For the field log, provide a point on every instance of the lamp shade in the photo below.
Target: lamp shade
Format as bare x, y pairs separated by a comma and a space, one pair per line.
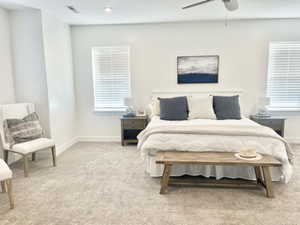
128, 101
264, 101
231, 5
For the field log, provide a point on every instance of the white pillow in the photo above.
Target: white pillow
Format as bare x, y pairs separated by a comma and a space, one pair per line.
155, 107
201, 108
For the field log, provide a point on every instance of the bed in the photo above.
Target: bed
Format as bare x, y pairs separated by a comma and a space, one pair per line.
201, 135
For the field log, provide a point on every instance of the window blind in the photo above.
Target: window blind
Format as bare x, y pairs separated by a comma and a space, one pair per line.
283, 85
111, 77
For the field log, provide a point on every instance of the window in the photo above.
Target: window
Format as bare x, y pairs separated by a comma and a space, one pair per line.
111, 77
283, 85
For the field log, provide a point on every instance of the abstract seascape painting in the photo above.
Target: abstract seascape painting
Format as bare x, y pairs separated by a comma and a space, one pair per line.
197, 69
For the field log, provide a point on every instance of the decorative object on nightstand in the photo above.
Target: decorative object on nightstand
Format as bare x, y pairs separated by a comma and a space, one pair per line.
141, 112
276, 123
131, 127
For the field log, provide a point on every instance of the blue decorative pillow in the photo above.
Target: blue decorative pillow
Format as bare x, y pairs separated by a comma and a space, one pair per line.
173, 108
227, 107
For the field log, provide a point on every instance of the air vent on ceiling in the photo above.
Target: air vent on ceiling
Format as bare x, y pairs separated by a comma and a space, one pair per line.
72, 9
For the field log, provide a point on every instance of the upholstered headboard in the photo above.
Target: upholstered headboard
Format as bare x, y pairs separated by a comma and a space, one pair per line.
171, 93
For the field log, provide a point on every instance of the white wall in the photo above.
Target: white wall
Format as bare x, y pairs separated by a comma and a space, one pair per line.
242, 46
7, 94
28, 60
59, 71
43, 71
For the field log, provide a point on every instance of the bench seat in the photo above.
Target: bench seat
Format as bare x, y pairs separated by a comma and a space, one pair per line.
261, 166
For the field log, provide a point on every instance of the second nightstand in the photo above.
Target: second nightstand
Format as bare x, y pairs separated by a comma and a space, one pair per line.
131, 127
276, 123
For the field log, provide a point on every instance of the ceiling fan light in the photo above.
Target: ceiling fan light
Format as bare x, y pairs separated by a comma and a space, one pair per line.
231, 5
108, 9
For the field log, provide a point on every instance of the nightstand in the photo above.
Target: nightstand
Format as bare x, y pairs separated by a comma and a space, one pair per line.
131, 127
276, 123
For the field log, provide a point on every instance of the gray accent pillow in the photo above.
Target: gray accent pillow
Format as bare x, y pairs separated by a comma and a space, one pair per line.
227, 107
173, 108
23, 130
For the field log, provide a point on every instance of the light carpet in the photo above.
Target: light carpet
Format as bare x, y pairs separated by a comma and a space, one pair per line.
105, 183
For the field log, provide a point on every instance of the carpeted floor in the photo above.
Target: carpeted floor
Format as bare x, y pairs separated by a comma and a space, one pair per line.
104, 183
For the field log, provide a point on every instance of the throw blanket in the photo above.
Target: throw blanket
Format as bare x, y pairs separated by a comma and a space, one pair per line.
159, 138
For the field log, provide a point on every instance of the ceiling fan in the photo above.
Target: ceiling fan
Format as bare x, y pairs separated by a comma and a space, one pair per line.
230, 5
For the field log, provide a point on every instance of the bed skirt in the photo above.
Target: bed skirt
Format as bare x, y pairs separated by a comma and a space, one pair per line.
219, 172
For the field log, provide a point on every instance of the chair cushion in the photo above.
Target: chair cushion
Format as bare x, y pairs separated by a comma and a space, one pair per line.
5, 172
33, 146
23, 130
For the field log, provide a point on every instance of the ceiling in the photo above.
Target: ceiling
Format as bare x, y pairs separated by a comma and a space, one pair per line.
153, 11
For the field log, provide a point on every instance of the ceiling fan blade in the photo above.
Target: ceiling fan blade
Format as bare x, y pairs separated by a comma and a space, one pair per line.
196, 4
231, 5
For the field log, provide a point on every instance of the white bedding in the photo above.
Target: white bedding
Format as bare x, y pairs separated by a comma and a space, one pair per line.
252, 134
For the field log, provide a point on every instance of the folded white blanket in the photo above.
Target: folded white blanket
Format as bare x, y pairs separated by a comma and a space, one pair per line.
207, 135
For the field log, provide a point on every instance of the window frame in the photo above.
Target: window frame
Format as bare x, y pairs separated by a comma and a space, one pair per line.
280, 110
110, 109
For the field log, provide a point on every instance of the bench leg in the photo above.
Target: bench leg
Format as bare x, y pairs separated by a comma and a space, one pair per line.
268, 181
3, 186
33, 156
53, 149
165, 178
9, 192
25, 162
259, 175
5, 152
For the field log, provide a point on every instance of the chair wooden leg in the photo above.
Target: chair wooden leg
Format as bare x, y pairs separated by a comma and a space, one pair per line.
9, 192
5, 152
53, 149
3, 186
25, 165
33, 156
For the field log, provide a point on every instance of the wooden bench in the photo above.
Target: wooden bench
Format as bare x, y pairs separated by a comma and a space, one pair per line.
262, 168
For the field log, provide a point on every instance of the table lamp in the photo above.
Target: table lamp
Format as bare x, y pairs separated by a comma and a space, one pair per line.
129, 102
262, 107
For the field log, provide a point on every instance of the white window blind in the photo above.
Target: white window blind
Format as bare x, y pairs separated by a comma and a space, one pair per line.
111, 77
283, 85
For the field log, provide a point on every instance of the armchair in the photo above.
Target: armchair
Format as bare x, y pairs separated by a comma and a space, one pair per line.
18, 111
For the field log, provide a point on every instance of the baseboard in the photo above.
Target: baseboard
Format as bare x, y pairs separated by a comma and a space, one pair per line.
295, 141
99, 139
60, 149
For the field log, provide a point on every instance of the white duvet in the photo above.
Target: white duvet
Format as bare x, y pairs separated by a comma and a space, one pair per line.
215, 135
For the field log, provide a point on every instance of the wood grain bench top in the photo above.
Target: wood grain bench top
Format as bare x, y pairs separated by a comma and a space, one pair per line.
212, 158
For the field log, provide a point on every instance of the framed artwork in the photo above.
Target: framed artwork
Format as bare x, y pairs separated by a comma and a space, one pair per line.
197, 69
